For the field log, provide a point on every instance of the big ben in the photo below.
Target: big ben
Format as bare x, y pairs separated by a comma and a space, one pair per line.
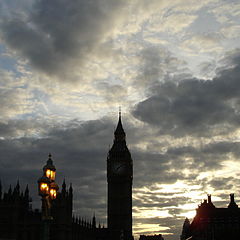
119, 177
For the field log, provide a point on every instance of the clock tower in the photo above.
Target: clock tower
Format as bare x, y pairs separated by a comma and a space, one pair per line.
119, 177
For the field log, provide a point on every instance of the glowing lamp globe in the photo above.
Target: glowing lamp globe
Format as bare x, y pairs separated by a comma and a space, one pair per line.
49, 169
53, 190
43, 186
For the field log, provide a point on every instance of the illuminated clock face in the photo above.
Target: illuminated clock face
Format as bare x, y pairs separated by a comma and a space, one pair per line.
119, 168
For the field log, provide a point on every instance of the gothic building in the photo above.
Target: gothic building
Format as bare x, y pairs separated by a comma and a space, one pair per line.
212, 223
18, 221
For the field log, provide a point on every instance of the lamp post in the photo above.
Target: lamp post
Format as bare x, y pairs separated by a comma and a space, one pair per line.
47, 189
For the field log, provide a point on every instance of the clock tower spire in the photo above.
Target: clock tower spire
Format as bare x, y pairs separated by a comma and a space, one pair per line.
119, 134
119, 177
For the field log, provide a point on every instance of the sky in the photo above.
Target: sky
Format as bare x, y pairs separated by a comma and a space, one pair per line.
173, 66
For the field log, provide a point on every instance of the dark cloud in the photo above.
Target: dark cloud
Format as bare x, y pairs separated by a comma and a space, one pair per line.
222, 183
194, 106
54, 33
19, 128
156, 201
164, 168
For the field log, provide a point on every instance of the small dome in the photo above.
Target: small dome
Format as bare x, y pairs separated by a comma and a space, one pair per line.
49, 164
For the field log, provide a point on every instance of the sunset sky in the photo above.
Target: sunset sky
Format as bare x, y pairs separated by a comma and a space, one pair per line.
174, 68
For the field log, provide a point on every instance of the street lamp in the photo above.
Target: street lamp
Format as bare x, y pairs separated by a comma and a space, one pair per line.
47, 189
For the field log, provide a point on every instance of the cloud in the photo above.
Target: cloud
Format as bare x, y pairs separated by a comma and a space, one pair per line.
113, 93
13, 102
202, 43
207, 69
231, 31
156, 64
173, 23
227, 11
14, 97
194, 106
55, 34
222, 183
23, 128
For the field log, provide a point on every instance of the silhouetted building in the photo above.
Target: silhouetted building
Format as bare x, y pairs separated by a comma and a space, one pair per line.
119, 177
18, 221
151, 237
211, 223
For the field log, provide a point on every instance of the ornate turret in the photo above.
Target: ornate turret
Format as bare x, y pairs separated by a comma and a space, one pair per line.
119, 133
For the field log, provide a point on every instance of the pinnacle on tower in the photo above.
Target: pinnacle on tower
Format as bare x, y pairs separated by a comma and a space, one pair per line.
64, 186
119, 132
16, 190
26, 193
70, 191
17, 187
94, 221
